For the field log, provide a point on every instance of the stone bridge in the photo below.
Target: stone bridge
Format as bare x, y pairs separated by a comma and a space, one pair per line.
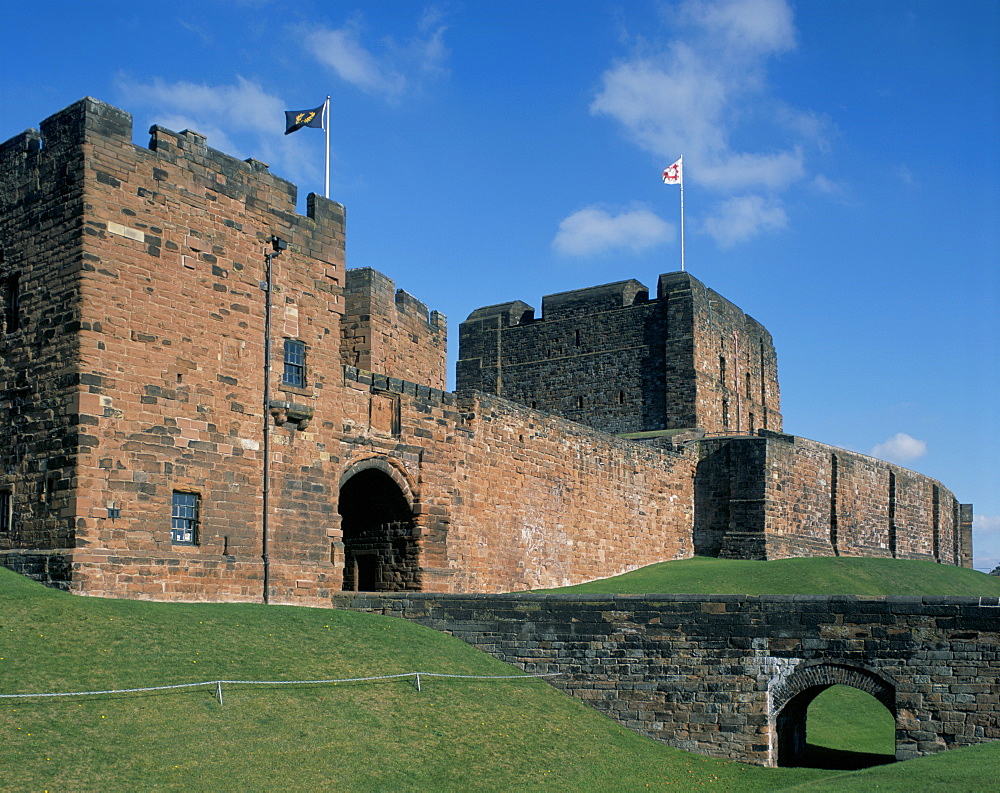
732, 675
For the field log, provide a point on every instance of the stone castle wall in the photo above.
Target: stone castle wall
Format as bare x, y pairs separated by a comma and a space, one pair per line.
613, 359
41, 258
777, 496
136, 373
388, 330
541, 501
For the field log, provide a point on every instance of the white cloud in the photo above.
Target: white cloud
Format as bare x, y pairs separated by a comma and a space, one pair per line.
743, 26
594, 230
905, 175
395, 69
900, 448
739, 219
986, 524
706, 85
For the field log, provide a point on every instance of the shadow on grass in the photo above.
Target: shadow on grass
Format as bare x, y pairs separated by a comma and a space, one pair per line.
842, 759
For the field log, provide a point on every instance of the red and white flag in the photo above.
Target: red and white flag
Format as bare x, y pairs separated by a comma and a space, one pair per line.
674, 174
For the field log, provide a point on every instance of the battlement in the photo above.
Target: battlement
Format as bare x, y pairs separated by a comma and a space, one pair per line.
515, 312
388, 330
593, 299
610, 357
91, 121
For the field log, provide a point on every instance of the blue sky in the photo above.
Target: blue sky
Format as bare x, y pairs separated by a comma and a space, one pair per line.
842, 182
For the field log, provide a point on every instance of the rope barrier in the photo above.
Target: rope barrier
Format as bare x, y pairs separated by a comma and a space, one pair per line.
218, 683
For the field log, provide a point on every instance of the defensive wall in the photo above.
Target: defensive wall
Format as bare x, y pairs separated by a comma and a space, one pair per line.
140, 287
775, 496
615, 359
731, 675
136, 372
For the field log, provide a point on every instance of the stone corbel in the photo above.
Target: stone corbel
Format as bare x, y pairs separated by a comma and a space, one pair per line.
290, 412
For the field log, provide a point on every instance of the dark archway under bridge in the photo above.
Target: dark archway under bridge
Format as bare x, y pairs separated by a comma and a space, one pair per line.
731, 675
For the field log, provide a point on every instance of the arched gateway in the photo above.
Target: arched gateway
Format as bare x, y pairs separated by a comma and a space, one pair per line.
380, 552
791, 697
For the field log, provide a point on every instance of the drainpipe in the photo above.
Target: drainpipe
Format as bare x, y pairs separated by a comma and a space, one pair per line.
277, 246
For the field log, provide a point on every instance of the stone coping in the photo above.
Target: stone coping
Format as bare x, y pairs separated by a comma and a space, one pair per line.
986, 601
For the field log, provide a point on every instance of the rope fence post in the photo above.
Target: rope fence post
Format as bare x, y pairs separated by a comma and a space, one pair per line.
218, 690
417, 675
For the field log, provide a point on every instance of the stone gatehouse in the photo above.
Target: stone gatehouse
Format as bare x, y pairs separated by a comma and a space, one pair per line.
199, 401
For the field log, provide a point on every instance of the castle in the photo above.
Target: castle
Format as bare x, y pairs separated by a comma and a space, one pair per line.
198, 401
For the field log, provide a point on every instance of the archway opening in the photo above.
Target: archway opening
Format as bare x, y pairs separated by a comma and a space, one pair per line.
835, 726
377, 523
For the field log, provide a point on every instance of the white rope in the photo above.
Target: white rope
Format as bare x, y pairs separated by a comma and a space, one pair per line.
218, 683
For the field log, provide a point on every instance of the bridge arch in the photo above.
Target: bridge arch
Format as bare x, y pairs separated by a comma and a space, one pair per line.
791, 697
377, 508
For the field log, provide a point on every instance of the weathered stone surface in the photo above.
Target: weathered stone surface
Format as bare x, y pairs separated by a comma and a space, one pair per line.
132, 367
673, 667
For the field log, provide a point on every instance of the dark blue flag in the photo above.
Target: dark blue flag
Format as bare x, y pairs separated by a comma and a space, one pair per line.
297, 119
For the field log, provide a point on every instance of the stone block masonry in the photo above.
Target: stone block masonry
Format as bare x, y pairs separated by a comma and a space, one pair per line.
732, 676
775, 496
613, 359
142, 456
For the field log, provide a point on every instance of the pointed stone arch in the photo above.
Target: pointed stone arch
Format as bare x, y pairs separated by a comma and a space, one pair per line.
790, 699
377, 509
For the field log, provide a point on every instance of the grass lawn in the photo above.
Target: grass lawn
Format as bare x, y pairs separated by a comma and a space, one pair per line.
832, 575
452, 735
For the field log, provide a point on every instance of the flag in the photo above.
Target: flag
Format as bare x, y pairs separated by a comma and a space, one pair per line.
297, 119
674, 174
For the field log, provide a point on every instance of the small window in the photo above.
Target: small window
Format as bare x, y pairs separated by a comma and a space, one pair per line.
6, 511
295, 364
579, 402
11, 303
184, 514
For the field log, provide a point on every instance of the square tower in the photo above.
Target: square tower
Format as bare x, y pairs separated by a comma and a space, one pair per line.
614, 359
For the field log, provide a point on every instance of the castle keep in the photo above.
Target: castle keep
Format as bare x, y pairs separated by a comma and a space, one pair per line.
198, 401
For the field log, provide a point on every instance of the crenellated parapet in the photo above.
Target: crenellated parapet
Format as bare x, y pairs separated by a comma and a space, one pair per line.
388, 330
615, 359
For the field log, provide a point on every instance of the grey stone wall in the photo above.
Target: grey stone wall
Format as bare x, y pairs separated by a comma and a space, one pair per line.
612, 358
732, 675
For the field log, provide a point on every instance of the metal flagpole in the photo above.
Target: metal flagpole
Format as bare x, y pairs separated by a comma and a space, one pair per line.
326, 126
674, 174
681, 161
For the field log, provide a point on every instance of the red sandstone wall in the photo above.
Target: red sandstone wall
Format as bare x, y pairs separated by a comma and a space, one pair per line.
387, 330
870, 508
172, 346
542, 502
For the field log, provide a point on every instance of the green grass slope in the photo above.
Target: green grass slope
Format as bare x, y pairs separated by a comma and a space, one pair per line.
832, 575
455, 734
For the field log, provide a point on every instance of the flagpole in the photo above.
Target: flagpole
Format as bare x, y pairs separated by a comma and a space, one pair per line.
326, 172
682, 212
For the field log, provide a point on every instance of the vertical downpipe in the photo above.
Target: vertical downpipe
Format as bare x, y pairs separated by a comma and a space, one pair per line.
267, 425
277, 245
